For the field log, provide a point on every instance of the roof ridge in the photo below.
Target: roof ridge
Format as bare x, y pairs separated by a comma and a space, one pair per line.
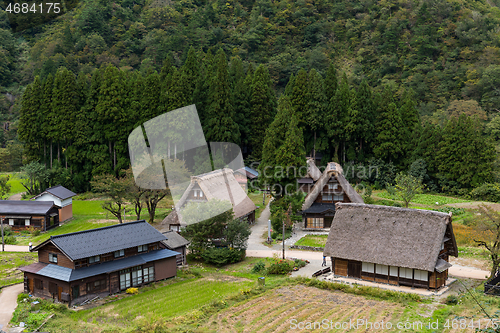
96, 229
401, 209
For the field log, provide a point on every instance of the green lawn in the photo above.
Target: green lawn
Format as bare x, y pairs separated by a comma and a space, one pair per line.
312, 240
9, 261
424, 199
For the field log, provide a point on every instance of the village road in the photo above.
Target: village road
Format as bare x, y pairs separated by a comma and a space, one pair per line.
14, 248
8, 303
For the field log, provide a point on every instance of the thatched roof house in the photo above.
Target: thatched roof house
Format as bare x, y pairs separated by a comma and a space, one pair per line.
222, 185
332, 187
391, 244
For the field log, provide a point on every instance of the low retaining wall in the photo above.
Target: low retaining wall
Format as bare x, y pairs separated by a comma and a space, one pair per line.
308, 248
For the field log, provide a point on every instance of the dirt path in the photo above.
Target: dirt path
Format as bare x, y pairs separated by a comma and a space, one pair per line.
17, 196
475, 205
8, 303
15, 248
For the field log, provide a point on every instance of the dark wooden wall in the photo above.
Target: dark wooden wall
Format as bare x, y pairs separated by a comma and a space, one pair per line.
62, 260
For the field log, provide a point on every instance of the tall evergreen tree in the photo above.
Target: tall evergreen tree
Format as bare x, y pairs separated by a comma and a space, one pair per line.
337, 112
191, 72
362, 121
30, 123
221, 124
45, 111
331, 82
263, 104
465, 157
300, 98
411, 120
315, 112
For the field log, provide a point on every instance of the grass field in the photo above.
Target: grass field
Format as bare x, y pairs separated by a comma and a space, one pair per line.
424, 199
9, 261
312, 240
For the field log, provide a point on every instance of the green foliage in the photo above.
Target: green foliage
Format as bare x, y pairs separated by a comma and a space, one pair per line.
487, 192
222, 256
259, 267
280, 266
279, 210
33, 176
407, 187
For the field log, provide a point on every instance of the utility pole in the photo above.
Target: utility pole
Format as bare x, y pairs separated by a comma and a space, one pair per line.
287, 220
3, 244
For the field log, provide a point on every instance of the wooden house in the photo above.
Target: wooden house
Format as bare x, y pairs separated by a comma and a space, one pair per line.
399, 246
41, 215
331, 187
177, 243
79, 266
222, 185
62, 197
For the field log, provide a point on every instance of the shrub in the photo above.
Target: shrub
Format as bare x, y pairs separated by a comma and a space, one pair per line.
259, 267
280, 267
11, 240
299, 263
452, 300
7, 230
133, 291
487, 192
222, 256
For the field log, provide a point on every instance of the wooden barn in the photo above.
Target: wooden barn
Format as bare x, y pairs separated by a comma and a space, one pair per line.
62, 197
222, 185
41, 215
331, 187
400, 246
79, 266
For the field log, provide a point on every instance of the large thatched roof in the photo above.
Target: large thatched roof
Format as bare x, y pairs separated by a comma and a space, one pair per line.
332, 170
221, 185
402, 237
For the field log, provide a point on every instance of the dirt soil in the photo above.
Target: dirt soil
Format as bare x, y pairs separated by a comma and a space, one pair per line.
470, 262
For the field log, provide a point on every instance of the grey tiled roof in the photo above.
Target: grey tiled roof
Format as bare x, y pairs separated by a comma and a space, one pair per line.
174, 240
67, 274
84, 244
59, 191
25, 207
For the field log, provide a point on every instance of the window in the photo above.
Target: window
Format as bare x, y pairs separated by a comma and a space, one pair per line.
421, 275
338, 197
367, 267
53, 258
142, 248
94, 259
406, 273
201, 194
382, 269
38, 284
26, 221
195, 193
137, 276
149, 274
333, 186
124, 280
314, 222
326, 197
393, 271
11, 221
119, 253
96, 285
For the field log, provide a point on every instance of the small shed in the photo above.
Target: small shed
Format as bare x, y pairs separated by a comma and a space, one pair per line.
62, 197
42, 215
177, 243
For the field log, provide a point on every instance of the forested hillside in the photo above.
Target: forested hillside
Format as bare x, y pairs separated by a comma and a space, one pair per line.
375, 83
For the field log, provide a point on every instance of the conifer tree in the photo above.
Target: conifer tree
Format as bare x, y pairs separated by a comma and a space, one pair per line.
465, 157
338, 110
30, 122
361, 121
45, 111
263, 104
299, 98
331, 82
387, 144
221, 124
191, 72
149, 98
240, 88
411, 120
315, 112
289, 86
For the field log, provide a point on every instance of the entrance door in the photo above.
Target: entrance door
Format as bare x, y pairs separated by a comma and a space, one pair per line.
354, 269
31, 286
59, 291
124, 281
75, 291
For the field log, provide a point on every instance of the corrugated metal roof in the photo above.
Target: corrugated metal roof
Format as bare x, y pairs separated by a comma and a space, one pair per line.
56, 272
84, 244
25, 207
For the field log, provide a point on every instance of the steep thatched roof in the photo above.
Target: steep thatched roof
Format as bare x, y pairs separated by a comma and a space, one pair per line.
312, 170
170, 219
402, 237
332, 170
221, 185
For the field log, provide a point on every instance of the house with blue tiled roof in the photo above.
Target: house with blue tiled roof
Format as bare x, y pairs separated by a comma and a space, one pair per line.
79, 266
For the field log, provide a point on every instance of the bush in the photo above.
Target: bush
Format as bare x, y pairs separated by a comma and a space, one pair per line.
133, 291
487, 192
259, 267
278, 235
10, 240
7, 230
222, 256
280, 266
452, 300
